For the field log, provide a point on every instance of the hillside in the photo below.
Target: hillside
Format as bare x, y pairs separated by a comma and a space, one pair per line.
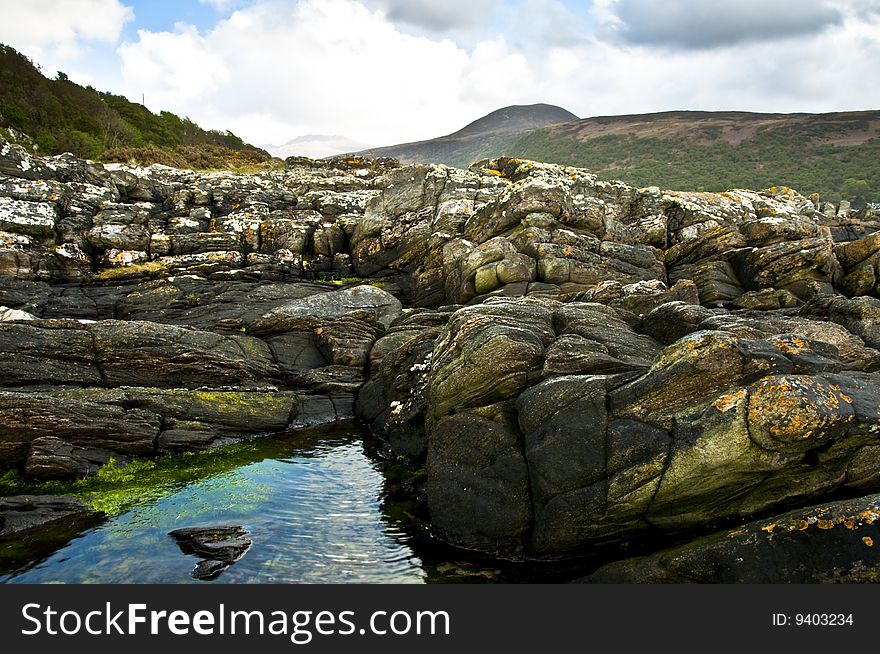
834, 154
479, 139
61, 116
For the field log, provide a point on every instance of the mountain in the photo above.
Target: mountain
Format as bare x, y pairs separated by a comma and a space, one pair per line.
52, 116
479, 139
516, 118
315, 146
834, 154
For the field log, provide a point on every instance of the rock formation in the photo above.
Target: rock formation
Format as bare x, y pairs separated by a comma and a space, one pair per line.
576, 362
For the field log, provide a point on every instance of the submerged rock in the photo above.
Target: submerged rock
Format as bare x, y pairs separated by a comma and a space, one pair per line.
219, 547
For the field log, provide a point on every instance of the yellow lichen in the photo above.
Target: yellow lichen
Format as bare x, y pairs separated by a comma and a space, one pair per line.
727, 402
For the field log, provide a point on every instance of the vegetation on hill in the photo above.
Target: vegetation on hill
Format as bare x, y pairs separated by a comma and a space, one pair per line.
772, 157
835, 155
61, 116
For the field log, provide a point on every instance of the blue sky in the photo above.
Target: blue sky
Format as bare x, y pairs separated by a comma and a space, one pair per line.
161, 15
385, 71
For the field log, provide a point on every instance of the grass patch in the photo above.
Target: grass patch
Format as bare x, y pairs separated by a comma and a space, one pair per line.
149, 268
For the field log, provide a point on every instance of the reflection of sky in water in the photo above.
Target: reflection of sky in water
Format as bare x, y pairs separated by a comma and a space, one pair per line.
312, 519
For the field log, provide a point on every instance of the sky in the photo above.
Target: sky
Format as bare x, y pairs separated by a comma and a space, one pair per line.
390, 71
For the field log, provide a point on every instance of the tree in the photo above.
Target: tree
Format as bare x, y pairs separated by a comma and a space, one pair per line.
857, 191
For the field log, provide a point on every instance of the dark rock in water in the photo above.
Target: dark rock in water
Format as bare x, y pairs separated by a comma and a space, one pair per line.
478, 484
23, 515
835, 542
226, 543
208, 569
220, 547
719, 426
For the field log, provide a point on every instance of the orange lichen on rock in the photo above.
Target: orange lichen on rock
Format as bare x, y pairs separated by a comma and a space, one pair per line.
727, 402
793, 408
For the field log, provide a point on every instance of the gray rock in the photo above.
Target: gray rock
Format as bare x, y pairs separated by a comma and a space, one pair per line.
135, 422
25, 515
315, 310
671, 321
827, 543
123, 353
861, 316
52, 458
477, 485
488, 353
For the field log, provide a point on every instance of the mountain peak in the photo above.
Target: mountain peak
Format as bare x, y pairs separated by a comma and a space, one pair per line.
517, 118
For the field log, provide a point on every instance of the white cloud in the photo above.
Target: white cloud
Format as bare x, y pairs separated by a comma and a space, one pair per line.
277, 70
280, 69
824, 73
54, 34
437, 16
697, 24
181, 67
540, 24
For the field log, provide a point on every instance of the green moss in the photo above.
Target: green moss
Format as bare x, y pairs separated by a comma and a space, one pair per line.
345, 281
151, 267
237, 403
115, 488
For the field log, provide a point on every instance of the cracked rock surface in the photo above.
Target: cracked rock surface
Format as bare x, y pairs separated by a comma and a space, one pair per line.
573, 363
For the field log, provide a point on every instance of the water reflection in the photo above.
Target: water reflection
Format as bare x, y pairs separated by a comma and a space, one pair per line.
314, 511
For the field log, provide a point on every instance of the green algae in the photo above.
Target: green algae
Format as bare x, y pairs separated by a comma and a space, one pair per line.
115, 487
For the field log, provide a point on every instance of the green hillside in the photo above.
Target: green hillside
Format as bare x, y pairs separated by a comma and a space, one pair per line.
832, 154
836, 155
61, 116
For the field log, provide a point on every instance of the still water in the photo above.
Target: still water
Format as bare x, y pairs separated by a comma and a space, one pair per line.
314, 511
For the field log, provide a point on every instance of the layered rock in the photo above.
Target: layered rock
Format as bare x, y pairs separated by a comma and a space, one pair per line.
579, 362
828, 543
608, 437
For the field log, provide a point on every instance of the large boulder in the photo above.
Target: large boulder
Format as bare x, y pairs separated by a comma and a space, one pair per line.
619, 438
478, 490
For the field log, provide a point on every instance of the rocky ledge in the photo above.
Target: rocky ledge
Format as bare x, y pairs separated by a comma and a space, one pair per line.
574, 363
